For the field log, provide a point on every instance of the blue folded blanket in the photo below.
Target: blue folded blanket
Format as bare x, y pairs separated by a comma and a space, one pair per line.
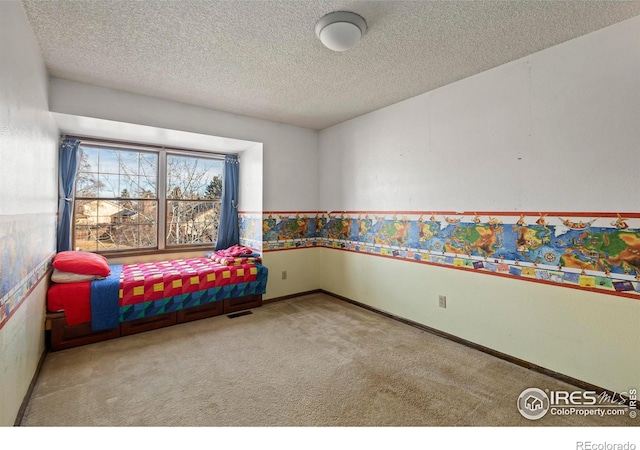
105, 305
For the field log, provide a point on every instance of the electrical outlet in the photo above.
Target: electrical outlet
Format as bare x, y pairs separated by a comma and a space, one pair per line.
442, 301
284, 274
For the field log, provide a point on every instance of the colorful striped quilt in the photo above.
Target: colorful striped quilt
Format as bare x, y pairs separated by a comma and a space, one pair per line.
148, 289
143, 282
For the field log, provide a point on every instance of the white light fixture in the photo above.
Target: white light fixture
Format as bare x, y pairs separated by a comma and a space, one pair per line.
340, 30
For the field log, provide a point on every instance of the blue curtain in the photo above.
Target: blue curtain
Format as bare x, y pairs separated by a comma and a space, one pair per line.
68, 160
228, 233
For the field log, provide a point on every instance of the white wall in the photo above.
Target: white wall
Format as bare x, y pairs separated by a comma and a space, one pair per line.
290, 153
251, 179
28, 201
555, 131
303, 267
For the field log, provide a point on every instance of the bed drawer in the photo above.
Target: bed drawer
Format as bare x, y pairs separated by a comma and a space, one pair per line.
63, 336
147, 324
200, 312
240, 303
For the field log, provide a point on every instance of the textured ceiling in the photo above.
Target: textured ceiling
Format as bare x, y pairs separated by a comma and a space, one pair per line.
262, 58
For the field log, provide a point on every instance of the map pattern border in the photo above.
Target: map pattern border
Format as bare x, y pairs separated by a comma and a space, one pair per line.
594, 251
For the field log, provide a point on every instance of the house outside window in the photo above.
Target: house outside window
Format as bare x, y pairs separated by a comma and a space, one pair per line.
131, 198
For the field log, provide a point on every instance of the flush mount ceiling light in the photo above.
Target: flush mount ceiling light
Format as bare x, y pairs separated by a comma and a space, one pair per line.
340, 30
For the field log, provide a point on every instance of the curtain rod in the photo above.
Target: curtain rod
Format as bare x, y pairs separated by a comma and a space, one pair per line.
142, 146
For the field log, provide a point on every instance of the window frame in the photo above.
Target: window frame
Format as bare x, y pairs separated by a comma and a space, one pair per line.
161, 199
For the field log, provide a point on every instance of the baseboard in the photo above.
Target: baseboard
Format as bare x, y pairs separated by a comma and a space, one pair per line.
299, 294
520, 362
25, 400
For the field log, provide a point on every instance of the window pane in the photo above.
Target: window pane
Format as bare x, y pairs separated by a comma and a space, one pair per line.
146, 221
190, 222
87, 179
109, 186
86, 212
108, 161
128, 186
105, 237
148, 165
128, 162
84, 240
193, 178
147, 212
115, 225
148, 234
86, 185
89, 159
147, 187
124, 236
115, 219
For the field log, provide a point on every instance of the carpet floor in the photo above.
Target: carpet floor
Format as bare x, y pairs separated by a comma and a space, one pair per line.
311, 361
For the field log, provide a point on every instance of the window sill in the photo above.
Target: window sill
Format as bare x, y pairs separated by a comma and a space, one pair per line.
156, 252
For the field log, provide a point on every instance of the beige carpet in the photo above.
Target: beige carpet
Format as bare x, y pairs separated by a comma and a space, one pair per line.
309, 361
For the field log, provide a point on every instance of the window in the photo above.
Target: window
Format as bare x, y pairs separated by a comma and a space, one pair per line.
123, 191
194, 189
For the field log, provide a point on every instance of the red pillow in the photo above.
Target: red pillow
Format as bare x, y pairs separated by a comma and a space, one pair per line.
84, 263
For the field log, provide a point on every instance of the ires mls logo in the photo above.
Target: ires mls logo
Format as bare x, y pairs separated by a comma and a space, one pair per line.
575, 398
533, 403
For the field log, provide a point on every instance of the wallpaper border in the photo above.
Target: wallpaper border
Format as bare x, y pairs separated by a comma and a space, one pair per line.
543, 232
11, 302
27, 248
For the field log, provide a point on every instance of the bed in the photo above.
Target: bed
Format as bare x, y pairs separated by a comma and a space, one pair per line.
109, 301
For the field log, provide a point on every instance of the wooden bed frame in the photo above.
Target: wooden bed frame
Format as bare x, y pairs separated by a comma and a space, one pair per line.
61, 336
